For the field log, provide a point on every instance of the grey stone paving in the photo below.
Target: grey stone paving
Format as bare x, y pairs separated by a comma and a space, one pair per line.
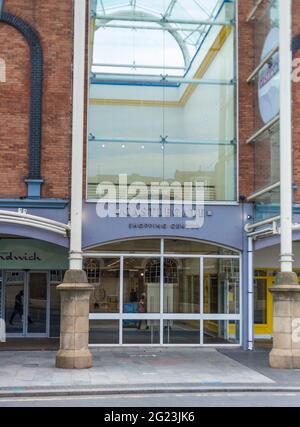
129, 367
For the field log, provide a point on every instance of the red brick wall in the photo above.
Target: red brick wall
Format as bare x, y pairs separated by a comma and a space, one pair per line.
53, 20
247, 101
246, 96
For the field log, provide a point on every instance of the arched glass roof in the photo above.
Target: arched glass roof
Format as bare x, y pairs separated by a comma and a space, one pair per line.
156, 35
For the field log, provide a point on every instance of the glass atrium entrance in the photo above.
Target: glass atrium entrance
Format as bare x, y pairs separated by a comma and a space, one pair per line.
164, 292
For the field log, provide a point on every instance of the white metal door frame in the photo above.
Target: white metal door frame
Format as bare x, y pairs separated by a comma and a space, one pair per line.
25, 333
202, 317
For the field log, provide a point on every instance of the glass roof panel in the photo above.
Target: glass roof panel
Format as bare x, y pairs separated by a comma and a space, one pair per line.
180, 19
196, 9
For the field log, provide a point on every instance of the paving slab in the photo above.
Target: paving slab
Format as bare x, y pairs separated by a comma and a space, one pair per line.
133, 367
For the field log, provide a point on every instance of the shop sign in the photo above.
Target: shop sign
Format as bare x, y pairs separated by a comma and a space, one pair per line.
268, 80
32, 254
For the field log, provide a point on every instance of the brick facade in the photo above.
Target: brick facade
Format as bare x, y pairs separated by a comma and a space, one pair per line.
248, 119
54, 23
246, 97
53, 20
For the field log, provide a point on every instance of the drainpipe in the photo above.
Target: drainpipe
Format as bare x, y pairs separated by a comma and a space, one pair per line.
250, 296
78, 132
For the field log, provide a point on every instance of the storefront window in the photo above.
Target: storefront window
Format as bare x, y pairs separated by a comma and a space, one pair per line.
1, 295
156, 298
221, 286
260, 301
130, 246
141, 285
104, 332
141, 332
177, 246
14, 302
182, 286
56, 278
221, 332
104, 275
182, 332
162, 98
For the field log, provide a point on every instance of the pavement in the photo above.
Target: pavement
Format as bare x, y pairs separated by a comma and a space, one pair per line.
138, 370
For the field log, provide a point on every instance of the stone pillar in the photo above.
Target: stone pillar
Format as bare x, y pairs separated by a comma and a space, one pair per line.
75, 294
286, 322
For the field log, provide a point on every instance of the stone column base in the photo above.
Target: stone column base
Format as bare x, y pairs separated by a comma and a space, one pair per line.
286, 322
74, 336
74, 359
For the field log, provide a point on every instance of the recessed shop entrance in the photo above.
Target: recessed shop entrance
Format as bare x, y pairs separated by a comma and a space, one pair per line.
26, 296
164, 292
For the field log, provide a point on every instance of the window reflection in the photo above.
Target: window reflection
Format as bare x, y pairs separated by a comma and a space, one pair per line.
141, 285
221, 286
162, 101
182, 286
104, 275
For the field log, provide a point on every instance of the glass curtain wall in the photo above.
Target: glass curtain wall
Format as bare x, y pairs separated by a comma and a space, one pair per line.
162, 94
167, 297
266, 103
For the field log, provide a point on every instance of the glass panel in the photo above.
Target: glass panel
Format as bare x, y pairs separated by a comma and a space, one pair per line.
14, 302
181, 332
182, 286
268, 205
104, 275
141, 332
111, 56
260, 301
104, 332
56, 278
141, 285
210, 163
221, 286
131, 246
177, 246
266, 33
37, 303
188, 118
54, 311
1, 295
266, 158
191, 38
221, 332
147, 115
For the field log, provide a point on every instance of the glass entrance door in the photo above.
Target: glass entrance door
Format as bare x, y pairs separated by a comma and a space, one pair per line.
26, 303
37, 303
176, 293
14, 302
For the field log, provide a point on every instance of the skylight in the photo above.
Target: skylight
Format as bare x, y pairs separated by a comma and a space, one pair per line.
158, 36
